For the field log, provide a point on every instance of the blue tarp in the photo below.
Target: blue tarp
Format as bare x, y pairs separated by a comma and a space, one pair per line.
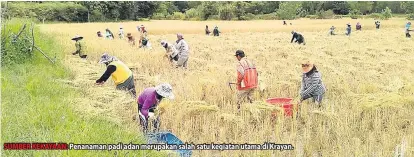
168, 138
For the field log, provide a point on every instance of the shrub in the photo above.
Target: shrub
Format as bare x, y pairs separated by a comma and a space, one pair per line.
178, 16
158, 16
355, 14
410, 16
192, 14
329, 14
214, 17
169, 17
250, 16
271, 16
387, 13
376, 16
288, 10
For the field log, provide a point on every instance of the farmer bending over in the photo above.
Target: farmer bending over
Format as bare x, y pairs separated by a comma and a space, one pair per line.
108, 34
131, 39
348, 29
377, 24
298, 38
358, 26
143, 35
80, 47
246, 78
120, 73
207, 31
216, 32
148, 101
171, 52
331, 30
312, 86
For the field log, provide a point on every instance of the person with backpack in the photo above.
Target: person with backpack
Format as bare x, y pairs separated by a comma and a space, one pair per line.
247, 79
311, 86
298, 38
216, 32
171, 52
407, 30
143, 36
80, 47
120, 73
149, 100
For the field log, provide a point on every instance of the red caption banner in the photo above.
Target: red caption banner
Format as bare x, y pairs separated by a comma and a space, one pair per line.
35, 146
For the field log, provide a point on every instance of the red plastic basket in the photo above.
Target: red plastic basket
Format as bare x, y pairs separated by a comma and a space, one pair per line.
285, 103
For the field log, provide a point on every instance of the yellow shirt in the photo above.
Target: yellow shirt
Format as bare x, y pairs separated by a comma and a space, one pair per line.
122, 72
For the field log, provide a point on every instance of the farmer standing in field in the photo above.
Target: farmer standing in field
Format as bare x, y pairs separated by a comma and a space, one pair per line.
358, 26
331, 30
80, 47
171, 52
348, 29
312, 86
143, 36
121, 33
183, 51
247, 78
377, 24
207, 30
148, 101
407, 30
216, 32
131, 39
119, 72
298, 38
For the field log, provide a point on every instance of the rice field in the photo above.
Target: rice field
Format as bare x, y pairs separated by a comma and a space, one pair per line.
367, 110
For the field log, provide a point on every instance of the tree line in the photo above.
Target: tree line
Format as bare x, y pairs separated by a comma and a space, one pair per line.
95, 11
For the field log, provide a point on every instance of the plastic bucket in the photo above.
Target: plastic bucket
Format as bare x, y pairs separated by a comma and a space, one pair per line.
285, 103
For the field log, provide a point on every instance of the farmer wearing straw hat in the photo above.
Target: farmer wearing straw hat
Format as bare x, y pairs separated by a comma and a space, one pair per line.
131, 39
183, 51
119, 72
80, 47
171, 52
298, 38
348, 29
99, 34
407, 30
312, 86
148, 101
247, 78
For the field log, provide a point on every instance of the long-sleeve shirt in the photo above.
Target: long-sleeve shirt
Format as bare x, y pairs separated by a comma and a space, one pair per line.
171, 50
109, 70
148, 100
312, 85
182, 48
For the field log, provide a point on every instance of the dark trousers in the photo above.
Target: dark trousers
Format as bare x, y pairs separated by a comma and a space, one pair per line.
128, 85
408, 35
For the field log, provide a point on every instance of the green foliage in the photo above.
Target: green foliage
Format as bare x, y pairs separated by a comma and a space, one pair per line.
158, 16
272, 16
355, 14
410, 16
362, 6
178, 16
16, 51
387, 13
376, 16
214, 17
288, 10
227, 12
193, 13
325, 14
408, 7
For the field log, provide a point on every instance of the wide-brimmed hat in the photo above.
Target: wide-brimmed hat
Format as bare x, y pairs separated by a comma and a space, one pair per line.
239, 52
129, 35
141, 26
293, 32
307, 66
77, 37
165, 90
106, 58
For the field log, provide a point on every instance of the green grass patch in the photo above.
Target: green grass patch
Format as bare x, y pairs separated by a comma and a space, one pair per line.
35, 108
